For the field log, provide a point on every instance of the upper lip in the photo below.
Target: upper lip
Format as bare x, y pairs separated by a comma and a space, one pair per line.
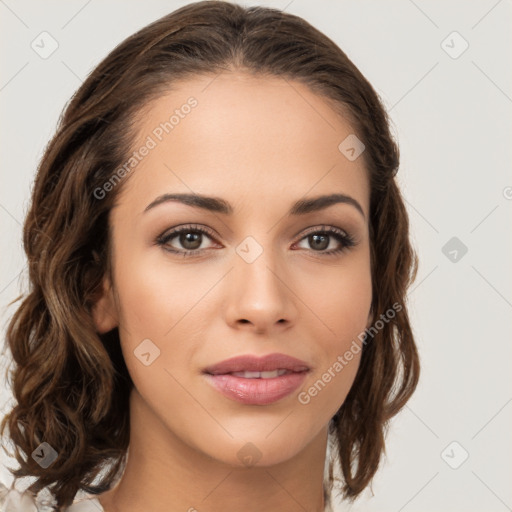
252, 363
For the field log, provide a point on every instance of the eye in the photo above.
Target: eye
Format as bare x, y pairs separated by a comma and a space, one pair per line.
190, 237
322, 238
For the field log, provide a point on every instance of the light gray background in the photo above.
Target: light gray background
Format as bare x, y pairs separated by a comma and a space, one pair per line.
453, 119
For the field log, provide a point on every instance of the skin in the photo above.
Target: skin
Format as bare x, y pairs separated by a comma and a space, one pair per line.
261, 144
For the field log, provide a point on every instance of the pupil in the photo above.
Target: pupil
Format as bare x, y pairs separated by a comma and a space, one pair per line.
189, 240
323, 243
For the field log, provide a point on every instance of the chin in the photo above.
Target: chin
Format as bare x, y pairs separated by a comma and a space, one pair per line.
257, 450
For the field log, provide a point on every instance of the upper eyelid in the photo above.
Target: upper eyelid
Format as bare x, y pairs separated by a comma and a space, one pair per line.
323, 227
186, 227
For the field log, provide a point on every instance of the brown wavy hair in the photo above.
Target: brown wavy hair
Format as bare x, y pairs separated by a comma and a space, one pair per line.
70, 383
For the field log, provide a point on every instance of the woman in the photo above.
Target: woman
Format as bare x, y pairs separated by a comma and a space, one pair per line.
219, 256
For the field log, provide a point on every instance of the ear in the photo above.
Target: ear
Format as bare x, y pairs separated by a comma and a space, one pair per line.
104, 310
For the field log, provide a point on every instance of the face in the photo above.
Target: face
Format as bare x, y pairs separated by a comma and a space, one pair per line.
251, 273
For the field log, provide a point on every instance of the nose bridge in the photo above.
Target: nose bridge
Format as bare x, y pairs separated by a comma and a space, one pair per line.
260, 295
255, 265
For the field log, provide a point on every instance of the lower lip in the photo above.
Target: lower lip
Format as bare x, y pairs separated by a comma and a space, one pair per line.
256, 391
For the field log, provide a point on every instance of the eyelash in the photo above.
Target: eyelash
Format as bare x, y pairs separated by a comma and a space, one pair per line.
346, 240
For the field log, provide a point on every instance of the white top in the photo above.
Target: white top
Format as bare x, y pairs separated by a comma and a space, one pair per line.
92, 504
87, 504
11, 500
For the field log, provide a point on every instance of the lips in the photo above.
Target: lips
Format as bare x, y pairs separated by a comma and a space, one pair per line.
255, 380
248, 363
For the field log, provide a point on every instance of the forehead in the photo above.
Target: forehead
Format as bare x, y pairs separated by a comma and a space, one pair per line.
254, 136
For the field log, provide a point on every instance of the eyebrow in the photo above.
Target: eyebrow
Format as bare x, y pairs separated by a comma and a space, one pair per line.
218, 205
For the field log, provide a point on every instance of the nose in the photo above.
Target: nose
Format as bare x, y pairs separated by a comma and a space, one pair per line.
260, 296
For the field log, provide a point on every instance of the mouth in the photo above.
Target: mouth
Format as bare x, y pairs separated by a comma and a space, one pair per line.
261, 375
250, 364
255, 380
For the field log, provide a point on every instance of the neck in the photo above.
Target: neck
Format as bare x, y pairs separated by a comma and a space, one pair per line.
164, 474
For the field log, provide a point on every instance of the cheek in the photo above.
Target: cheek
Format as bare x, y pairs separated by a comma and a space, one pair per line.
161, 311
154, 298
340, 305
342, 311
156, 311
345, 313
